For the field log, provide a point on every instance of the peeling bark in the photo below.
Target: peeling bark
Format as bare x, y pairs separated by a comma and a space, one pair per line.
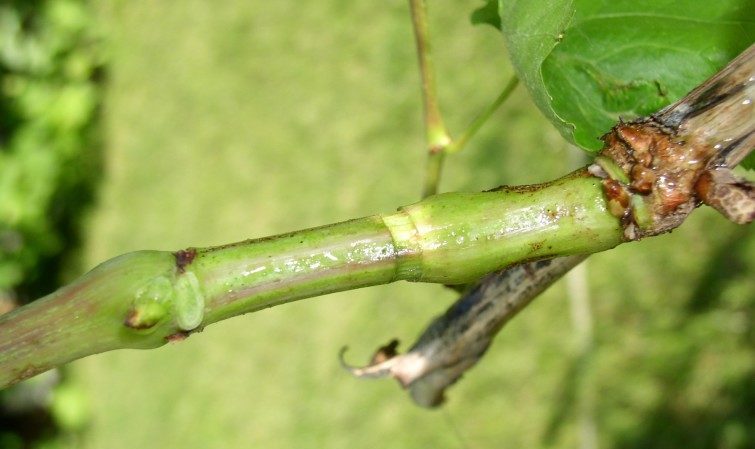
656, 170
456, 340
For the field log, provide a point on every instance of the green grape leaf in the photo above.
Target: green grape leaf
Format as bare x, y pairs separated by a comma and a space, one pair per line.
588, 63
487, 14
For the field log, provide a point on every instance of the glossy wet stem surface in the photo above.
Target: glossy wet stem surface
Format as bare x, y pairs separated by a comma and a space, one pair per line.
144, 299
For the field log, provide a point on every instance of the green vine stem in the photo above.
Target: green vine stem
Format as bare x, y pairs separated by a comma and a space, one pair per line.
146, 298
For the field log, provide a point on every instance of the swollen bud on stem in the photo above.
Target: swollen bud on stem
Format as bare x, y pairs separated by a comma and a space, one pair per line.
151, 304
175, 294
122, 303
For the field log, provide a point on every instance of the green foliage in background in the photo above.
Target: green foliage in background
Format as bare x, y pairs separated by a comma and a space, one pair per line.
49, 59
50, 65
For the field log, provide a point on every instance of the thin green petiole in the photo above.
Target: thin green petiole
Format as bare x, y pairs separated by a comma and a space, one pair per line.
458, 144
439, 141
436, 156
436, 134
435, 130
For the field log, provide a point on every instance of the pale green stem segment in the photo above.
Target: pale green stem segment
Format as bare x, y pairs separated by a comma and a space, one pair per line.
143, 299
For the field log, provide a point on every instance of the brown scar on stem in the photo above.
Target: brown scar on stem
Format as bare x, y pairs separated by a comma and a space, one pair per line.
679, 157
29, 371
182, 335
134, 320
671, 175
177, 336
618, 197
531, 188
455, 341
184, 258
643, 179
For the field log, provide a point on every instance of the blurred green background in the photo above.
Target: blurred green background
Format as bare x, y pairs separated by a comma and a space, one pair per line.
212, 122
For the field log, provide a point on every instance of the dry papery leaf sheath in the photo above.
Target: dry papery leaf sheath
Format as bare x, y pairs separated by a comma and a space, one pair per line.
656, 170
